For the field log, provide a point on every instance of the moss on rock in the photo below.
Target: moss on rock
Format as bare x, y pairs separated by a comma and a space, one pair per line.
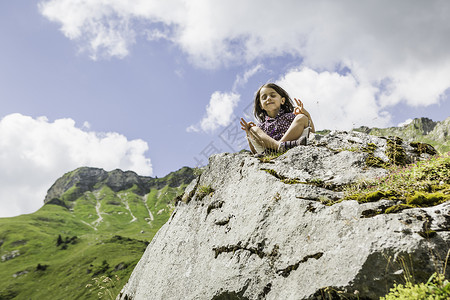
427, 199
423, 184
423, 148
375, 162
395, 152
372, 196
397, 208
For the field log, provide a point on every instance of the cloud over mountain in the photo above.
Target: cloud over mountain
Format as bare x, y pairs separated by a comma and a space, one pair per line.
35, 152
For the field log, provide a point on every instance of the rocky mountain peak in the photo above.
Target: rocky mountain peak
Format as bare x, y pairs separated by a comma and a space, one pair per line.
83, 179
424, 125
420, 129
119, 180
86, 179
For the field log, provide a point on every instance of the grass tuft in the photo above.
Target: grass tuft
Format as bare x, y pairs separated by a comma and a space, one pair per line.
204, 191
424, 183
271, 156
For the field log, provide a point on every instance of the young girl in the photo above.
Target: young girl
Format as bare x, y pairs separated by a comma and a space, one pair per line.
281, 126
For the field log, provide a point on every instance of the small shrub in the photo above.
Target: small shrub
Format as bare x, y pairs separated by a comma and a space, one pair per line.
102, 269
395, 152
436, 288
204, 191
423, 148
40, 267
65, 242
104, 286
59, 241
198, 171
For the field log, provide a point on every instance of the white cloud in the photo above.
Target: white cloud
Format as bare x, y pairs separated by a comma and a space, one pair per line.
241, 80
35, 152
334, 101
403, 43
219, 112
156, 34
220, 109
193, 128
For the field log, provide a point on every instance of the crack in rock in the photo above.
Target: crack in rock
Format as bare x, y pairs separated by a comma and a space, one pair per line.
187, 197
253, 250
426, 231
287, 271
214, 205
232, 295
370, 213
265, 291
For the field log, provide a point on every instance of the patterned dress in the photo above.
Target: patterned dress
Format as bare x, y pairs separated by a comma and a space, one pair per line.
277, 127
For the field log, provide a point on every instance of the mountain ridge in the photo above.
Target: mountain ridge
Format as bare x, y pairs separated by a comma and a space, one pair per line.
85, 179
435, 133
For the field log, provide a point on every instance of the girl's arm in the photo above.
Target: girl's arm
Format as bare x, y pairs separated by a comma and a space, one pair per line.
301, 110
306, 113
246, 126
251, 147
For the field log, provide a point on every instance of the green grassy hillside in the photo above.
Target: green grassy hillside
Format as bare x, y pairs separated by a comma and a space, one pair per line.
59, 251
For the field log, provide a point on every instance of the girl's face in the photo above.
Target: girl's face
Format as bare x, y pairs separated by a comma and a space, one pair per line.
270, 101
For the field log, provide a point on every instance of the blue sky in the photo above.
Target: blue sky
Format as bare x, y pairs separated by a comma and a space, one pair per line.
152, 86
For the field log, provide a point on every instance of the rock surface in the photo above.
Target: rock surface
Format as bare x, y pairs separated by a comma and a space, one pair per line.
248, 229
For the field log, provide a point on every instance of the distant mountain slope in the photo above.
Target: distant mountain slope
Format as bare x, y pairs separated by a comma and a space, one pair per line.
94, 223
421, 129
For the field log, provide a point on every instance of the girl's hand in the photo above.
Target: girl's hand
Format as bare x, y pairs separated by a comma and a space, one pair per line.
246, 126
299, 109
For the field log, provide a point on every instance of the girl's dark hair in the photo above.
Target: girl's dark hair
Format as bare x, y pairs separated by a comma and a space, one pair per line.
261, 114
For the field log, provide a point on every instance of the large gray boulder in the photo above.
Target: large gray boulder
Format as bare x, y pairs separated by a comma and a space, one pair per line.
248, 229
